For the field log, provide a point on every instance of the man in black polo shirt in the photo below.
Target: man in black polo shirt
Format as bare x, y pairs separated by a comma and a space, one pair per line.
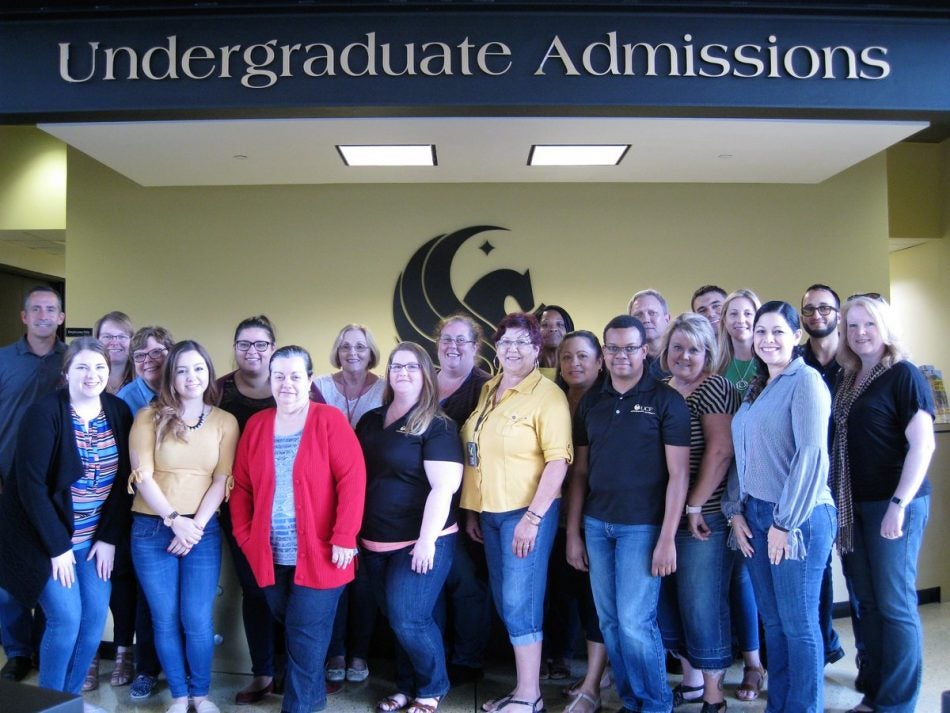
631, 472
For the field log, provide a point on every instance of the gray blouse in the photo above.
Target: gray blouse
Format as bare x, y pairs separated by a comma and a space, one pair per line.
781, 444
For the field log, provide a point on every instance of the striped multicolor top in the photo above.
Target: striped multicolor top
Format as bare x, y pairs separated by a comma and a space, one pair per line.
100, 461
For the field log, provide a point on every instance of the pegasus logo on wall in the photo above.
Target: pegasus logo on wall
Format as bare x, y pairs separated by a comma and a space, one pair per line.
424, 294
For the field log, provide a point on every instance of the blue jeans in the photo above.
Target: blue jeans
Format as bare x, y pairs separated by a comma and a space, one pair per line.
180, 593
75, 618
826, 602
787, 595
742, 606
884, 576
463, 611
518, 583
355, 619
307, 616
626, 595
409, 599
694, 602
264, 635
16, 627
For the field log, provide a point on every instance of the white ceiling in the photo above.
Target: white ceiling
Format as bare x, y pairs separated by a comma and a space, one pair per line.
302, 151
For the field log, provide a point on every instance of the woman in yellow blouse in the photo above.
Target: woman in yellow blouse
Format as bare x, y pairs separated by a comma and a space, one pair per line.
517, 449
182, 449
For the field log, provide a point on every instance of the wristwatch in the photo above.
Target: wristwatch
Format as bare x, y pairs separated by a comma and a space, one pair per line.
898, 502
691, 510
169, 518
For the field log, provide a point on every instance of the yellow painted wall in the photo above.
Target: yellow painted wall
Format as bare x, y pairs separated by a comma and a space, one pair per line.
314, 257
32, 180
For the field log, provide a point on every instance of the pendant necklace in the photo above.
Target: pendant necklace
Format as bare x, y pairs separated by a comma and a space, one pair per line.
742, 383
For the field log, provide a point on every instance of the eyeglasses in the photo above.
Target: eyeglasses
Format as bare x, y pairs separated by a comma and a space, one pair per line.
411, 368
114, 337
517, 343
154, 355
870, 295
243, 345
458, 341
823, 310
629, 349
358, 348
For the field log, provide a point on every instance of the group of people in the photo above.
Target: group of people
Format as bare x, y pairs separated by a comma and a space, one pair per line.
706, 463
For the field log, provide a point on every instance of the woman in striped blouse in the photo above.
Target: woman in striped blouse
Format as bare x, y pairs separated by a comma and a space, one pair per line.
62, 514
694, 603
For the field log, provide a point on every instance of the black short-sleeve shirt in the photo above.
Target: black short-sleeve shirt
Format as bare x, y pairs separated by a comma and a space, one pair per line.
396, 482
459, 404
627, 435
877, 445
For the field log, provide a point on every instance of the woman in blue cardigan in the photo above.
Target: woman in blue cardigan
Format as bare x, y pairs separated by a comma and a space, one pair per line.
62, 513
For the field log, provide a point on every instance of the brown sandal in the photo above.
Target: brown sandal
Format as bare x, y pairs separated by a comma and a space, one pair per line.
418, 706
91, 682
752, 680
124, 670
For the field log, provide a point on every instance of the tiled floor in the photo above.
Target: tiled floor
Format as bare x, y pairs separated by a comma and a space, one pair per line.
361, 698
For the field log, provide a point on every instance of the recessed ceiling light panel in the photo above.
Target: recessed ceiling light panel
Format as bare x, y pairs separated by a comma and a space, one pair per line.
392, 155
577, 155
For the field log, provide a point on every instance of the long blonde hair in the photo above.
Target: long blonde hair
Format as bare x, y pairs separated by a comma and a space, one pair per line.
427, 408
883, 317
726, 351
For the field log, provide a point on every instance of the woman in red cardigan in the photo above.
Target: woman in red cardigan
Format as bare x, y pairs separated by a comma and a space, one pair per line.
297, 505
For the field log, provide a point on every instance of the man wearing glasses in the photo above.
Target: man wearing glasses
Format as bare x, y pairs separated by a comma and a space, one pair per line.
820, 306
29, 369
628, 488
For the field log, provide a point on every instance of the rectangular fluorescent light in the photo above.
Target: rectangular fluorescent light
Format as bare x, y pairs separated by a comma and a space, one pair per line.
577, 155
399, 155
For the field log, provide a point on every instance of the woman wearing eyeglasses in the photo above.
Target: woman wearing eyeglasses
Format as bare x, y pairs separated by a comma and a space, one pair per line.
517, 448
149, 348
883, 443
115, 332
297, 505
244, 392
413, 470
465, 609
354, 390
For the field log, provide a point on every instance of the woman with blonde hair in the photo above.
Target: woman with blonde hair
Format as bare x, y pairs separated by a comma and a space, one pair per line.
883, 443
354, 390
115, 331
694, 602
413, 471
182, 450
736, 363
